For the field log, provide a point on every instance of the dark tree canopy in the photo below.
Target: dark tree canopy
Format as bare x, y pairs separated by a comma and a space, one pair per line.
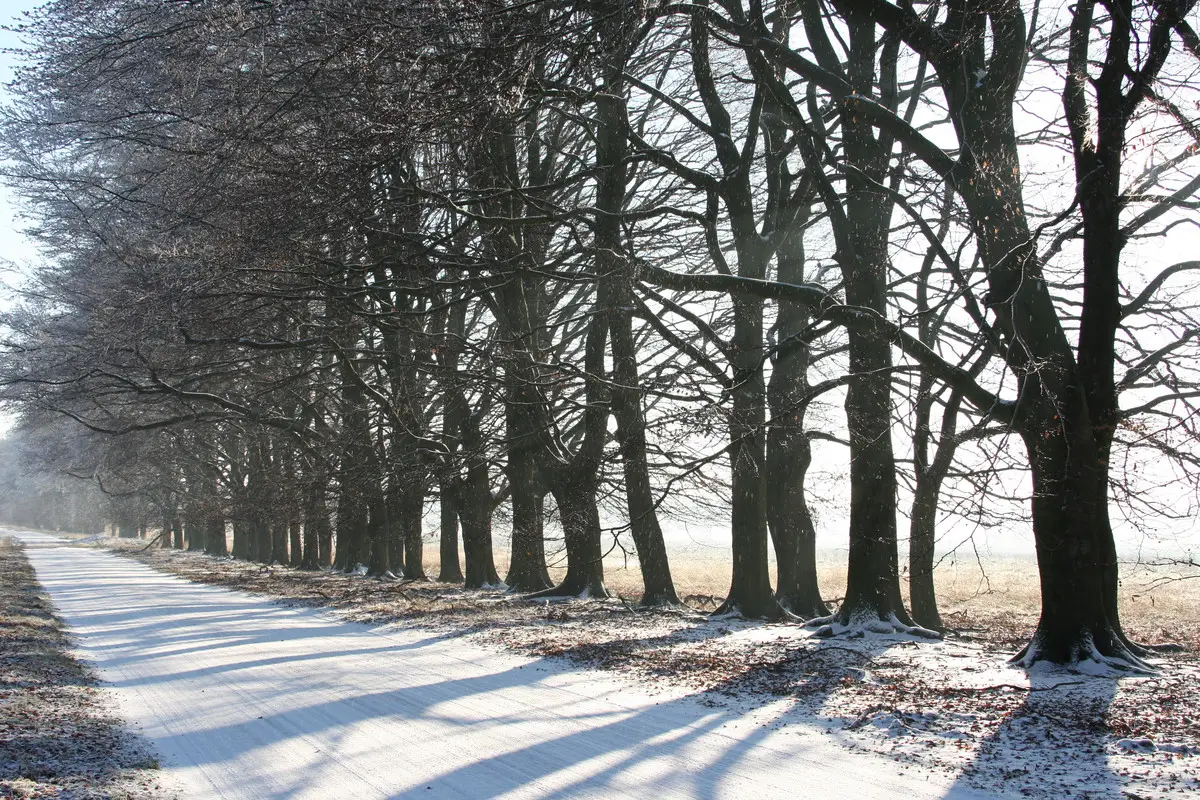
580, 269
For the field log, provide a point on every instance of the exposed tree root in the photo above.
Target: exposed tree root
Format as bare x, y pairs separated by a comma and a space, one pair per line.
565, 591
772, 613
660, 600
804, 606
1084, 657
861, 625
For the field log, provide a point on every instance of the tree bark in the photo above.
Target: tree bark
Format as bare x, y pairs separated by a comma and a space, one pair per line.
616, 28
449, 568
789, 451
214, 537
313, 511
475, 510
412, 508
576, 499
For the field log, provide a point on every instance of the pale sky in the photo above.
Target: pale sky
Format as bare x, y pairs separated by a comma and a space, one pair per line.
16, 251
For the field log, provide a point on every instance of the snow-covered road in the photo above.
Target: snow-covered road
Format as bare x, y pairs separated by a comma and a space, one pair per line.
247, 699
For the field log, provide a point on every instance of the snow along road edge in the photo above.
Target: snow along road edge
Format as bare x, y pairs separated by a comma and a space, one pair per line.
247, 699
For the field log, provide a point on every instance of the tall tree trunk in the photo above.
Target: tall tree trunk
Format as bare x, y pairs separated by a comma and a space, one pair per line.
475, 509
789, 455
215, 543
928, 477
1076, 554
396, 525
617, 25
789, 451
324, 538
1069, 509
1099, 149
295, 546
379, 562
574, 480
412, 514
449, 568
278, 535
873, 574
527, 563
750, 589
313, 511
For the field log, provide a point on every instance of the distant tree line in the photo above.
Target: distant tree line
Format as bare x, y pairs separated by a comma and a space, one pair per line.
313, 267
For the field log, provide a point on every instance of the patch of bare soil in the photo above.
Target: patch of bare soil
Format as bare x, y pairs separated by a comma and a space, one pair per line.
953, 705
57, 737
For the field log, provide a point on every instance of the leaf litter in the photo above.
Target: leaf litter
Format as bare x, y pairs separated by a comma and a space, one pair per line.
59, 737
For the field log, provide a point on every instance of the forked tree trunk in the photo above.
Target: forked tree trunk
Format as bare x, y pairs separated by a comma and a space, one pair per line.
580, 516
574, 481
923, 519
789, 451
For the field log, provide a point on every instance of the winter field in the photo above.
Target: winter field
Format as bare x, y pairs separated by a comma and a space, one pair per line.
277, 689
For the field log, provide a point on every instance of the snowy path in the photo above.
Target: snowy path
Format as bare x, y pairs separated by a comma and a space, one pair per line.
247, 699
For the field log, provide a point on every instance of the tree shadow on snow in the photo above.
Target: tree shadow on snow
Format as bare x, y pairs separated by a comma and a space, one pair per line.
462, 722
1053, 745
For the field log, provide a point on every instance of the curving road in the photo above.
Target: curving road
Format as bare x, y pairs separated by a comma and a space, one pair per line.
247, 699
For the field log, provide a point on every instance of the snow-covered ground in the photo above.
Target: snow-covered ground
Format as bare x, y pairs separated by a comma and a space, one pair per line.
248, 699
492, 695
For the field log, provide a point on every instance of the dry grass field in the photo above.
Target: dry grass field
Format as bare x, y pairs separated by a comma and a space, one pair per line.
995, 598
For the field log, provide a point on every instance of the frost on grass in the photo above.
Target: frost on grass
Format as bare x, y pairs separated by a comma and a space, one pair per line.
56, 737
